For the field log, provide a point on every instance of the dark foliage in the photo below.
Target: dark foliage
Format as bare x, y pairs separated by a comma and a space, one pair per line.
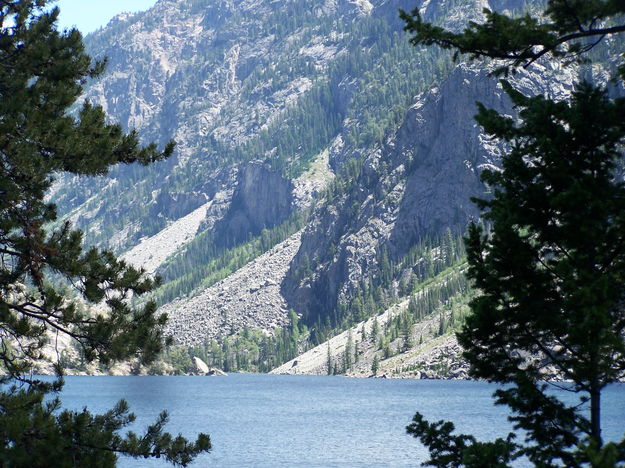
42, 72
552, 268
568, 29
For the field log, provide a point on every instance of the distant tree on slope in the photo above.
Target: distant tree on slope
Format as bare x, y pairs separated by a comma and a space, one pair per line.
41, 76
551, 272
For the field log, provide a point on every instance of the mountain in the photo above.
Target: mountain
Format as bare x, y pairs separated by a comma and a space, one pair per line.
323, 173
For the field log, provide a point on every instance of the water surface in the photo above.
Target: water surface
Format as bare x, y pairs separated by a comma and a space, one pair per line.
312, 421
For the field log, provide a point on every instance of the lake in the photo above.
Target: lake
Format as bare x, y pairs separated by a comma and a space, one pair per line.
313, 421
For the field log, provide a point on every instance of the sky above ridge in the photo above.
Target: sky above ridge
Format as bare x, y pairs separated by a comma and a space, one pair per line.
89, 15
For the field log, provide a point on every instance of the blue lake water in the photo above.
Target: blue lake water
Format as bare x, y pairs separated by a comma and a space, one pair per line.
311, 421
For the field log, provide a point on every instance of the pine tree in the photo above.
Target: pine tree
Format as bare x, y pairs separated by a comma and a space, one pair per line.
567, 30
41, 76
442, 326
551, 272
349, 351
414, 309
375, 365
329, 360
375, 330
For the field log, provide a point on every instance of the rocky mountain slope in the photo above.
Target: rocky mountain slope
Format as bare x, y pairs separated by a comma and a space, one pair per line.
232, 82
418, 184
324, 165
250, 297
257, 95
388, 346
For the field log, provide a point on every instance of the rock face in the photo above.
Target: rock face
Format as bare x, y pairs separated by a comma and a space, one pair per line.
203, 369
418, 184
200, 365
262, 199
448, 151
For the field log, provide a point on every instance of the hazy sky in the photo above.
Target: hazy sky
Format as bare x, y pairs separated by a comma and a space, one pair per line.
89, 15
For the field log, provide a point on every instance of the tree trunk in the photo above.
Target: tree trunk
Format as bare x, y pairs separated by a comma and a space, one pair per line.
595, 412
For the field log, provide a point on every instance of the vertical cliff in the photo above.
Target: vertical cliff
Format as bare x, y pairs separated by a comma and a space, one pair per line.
417, 185
262, 199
